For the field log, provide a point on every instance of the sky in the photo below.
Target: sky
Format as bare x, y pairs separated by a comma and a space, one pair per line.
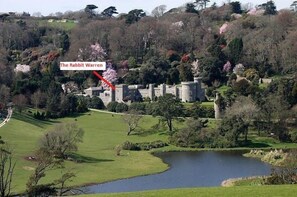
123, 6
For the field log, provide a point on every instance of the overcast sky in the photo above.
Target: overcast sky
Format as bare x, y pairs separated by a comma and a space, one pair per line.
123, 6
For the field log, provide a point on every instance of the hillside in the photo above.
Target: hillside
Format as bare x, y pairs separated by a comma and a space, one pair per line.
97, 154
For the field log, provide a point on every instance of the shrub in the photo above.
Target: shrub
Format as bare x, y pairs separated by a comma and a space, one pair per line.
130, 146
293, 136
112, 106
121, 107
281, 176
118, 150
96, 103
139, 107
39, 116
242, 87
143, 146
199, 111
210, 92
150, 108
151, 145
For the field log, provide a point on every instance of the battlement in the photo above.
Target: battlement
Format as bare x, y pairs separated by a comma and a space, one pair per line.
187, 91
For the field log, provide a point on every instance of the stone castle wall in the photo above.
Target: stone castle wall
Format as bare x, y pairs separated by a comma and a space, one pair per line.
187, 92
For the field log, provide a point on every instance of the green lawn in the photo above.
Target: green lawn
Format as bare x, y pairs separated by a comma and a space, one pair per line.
255, 181
244, 191
223, 89
66, 26
102, 133
205, 104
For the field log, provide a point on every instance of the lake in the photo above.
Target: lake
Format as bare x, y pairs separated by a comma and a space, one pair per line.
189, 169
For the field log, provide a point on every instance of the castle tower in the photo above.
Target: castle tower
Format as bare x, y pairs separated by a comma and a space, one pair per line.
176, 93
189, 91
162, 89
151, 93
112, 95
121, 92
217, 106
200, 93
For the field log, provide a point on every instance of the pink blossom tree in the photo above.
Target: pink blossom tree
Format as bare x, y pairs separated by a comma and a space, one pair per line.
96, 53
91, 53
110, 75
256, 12
227, 67
224, 28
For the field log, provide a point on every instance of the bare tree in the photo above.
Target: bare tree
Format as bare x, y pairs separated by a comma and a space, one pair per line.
6, 72
36, 98
7, 166
20, 102
4, 94
245, 108
62, 139
61, 183
201, 4
44, 161
132, 119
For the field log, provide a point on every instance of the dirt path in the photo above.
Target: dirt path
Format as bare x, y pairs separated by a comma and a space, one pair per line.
9, 110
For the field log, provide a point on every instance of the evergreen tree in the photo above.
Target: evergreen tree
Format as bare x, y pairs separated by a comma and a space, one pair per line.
53, 100
134, 16
236, 7
109, 12
235, 48
169, 108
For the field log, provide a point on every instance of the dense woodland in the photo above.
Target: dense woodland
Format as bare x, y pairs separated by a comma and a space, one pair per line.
218, 43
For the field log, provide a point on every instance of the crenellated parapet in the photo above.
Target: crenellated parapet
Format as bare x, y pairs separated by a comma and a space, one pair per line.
189, 91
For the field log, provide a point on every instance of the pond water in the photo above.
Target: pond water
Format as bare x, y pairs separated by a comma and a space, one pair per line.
189, 169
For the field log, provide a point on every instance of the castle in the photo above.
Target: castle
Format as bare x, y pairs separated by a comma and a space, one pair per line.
187, 92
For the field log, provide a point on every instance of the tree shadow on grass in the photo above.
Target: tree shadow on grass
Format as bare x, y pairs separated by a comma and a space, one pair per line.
251, 144
76, 115
85, 159
145, 132
29, 119
25, 117
158, 128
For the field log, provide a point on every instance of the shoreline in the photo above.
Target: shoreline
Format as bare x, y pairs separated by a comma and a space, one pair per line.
154, 152
232, 181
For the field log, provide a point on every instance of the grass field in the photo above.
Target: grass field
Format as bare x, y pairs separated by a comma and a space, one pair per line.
66, 25
103, 132
223, 89
244, 191
205, 104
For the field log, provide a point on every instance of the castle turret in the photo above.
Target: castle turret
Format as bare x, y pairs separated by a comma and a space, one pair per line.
189, 91
217, 109
162, 89
176, 92
122, 91
200, 92
112, 95
151, 93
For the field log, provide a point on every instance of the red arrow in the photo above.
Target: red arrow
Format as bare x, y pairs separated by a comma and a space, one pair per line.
101, 78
